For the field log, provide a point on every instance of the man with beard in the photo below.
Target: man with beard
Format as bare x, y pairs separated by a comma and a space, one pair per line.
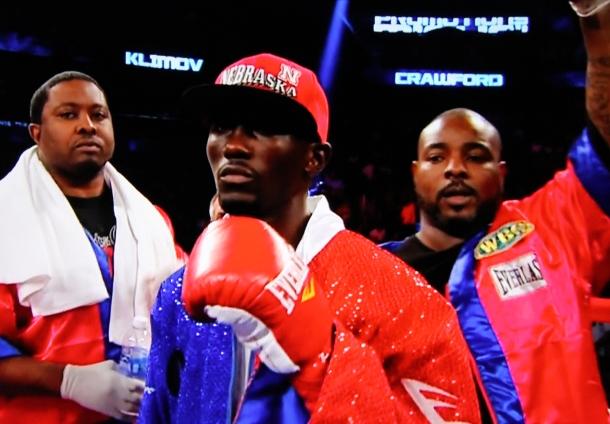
341, 330
452, 207
66, 299
521, 273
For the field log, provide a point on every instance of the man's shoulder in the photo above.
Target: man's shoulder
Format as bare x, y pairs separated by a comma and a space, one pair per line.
395, 246
169, 297
513, 210
173, 281
353, 264
360, 255
350, 240
392, 246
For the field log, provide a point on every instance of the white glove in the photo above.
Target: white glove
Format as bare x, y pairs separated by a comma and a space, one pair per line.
102, 388
254, 335
587, 7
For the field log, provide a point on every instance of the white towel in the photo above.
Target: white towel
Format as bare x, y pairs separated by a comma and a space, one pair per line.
45, 251
322, 226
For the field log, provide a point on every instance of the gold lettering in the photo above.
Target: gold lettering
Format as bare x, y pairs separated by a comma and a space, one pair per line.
489, 245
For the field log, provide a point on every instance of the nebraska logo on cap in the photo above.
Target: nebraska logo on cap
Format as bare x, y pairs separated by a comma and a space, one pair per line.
285, 82
278, 75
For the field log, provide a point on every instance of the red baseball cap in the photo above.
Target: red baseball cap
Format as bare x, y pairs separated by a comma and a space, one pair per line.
265, 87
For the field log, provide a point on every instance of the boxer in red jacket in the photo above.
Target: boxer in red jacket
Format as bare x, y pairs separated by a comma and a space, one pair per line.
351, 331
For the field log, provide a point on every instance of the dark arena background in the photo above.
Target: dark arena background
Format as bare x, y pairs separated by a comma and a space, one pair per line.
519, 63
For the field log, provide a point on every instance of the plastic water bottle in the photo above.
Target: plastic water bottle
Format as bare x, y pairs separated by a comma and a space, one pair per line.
136, 347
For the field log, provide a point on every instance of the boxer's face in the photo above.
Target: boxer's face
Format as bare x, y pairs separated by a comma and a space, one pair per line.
458, 174
256, 173
75, 137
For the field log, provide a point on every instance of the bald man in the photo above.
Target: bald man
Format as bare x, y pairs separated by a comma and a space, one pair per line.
521, 274
456, 202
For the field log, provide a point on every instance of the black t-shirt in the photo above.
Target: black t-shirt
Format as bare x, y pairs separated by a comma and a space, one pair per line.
434, 266
96, 214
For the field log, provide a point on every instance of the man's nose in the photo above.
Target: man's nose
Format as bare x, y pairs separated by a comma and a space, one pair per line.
237, 143
86, 124
456, 168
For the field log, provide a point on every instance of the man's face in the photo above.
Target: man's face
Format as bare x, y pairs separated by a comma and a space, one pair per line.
458, 175
75, 137
257, 174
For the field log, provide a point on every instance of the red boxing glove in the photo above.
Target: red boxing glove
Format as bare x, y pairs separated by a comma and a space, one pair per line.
242, 273
587, 7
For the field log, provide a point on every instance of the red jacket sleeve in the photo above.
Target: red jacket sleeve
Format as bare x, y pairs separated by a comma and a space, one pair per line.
398, 354
408, 382
573, 209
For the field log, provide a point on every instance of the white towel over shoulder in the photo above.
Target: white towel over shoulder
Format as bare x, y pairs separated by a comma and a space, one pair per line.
45, 250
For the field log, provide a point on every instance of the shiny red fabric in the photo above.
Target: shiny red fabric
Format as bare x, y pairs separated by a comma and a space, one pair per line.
394, 332
73, 337
546, 333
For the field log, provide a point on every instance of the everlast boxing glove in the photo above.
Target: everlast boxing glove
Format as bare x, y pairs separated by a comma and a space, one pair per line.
242, 273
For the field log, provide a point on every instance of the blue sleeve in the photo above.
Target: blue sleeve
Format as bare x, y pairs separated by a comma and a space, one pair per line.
190, 364
391, 246
590, 168
270, 397
7, 350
